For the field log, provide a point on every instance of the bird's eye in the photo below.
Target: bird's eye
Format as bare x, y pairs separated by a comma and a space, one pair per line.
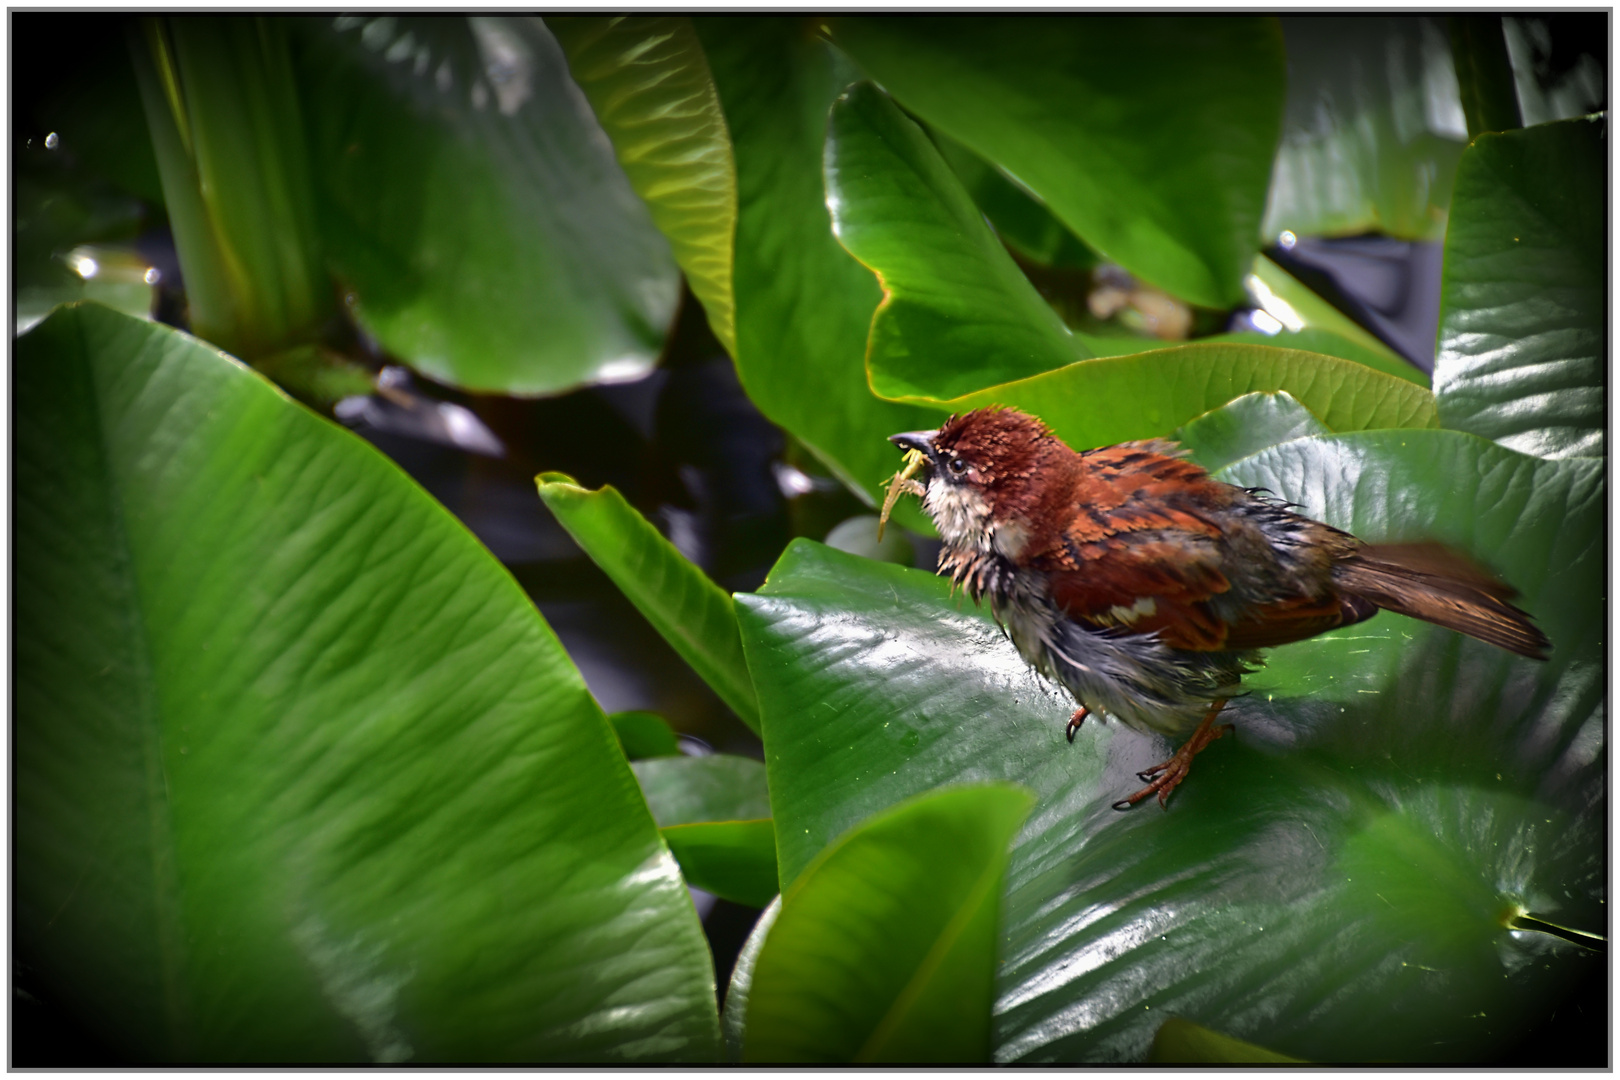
957, 466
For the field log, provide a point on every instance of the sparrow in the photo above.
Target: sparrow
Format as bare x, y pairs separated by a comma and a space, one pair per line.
1147, 589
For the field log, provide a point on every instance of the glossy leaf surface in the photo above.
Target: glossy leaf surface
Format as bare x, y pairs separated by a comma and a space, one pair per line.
691, 612
951, 293
803, 304
647, 80
885, 947
473, 206
1373, 128
1335, 883
301, 773
960, 326
1522, 301
734, 860
1245, 426
1151, 138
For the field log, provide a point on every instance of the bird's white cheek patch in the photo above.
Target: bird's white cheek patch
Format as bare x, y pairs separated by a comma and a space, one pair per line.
961, 513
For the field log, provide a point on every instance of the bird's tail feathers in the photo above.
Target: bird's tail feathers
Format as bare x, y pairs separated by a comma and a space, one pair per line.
1431, 582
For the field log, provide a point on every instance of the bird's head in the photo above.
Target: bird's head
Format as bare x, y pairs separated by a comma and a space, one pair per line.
987, 472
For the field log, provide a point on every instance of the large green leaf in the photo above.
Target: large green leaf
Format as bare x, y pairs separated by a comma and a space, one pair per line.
301, 774
1151, 138
1345, 880
1020, 219
472, 204
1327, 343
691, 612
865, 670
1523, 298
1534, 521
958, 316
1373, 128
1310, 323
647, 80
803, 304
885, 947
1112, 399
957, 313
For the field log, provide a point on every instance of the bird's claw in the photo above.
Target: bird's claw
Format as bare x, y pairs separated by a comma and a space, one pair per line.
1075, 721
1162, 779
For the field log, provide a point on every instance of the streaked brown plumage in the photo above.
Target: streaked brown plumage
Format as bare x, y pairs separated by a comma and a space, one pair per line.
1142, 585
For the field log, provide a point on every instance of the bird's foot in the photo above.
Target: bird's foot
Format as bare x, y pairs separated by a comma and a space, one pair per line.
1076, 720
1167, 774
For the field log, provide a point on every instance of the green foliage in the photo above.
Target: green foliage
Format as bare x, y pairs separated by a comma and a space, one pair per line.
715, 814
1151, 138
649, 84
1321, 327
960, 325
898, 208
471, 204
1525, 366
1373, 129
884, 949
280, 795
803, 304
688, 609
1484, 74
222, 106
734, 860
1244, 426
734, 1018
1019, 218
1116, 398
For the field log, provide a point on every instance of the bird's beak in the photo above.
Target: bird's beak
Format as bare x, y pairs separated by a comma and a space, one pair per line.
920, 441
